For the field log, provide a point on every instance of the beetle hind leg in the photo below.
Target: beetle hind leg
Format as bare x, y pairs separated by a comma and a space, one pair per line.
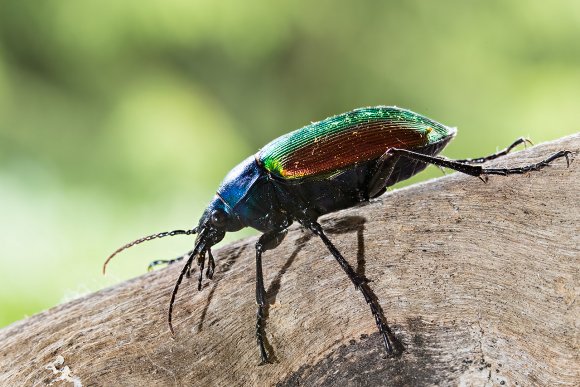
478, 170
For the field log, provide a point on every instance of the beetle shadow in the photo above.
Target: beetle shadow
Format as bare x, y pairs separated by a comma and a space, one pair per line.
347, 225
271, 292
342, 226
274, 287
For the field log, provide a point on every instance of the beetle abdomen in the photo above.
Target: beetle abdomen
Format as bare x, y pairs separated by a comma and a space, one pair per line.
339, 142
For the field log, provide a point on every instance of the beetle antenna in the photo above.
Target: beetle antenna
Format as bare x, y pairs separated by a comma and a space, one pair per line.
148, 238
199, 248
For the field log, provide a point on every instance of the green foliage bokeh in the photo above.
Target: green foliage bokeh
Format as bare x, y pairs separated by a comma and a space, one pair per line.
119, 119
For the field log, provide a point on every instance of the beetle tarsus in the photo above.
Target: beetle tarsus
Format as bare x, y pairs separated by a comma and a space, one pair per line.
260, 334
529, 168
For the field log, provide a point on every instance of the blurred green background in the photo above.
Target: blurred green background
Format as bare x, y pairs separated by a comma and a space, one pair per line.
120, 118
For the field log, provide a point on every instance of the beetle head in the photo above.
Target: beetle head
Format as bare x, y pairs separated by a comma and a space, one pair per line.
217, 219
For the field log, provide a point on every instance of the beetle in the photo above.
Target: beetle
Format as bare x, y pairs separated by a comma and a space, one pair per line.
323, 167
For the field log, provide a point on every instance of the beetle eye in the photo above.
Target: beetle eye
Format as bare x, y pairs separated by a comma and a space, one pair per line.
218, 218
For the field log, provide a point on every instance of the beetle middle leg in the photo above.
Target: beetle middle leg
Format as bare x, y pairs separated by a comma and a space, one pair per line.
267, 241
360, 283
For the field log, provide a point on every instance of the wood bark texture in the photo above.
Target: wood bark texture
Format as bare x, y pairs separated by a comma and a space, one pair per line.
479, 282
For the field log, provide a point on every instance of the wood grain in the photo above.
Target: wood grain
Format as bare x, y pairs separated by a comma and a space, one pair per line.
478, 281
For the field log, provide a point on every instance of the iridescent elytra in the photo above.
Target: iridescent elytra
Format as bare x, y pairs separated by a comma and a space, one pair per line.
323, 167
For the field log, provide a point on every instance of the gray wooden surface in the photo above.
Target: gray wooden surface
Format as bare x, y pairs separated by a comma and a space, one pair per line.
478, 281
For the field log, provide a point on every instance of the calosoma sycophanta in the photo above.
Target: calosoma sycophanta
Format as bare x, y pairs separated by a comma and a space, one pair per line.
323, 167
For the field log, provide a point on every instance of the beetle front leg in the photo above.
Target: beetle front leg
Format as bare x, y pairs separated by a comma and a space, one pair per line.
361, 284
159, 262
267, 241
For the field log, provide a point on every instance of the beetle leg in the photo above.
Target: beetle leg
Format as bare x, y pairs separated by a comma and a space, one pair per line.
158, 262
361, 284
477, 170
200, 265
481, 160
208, 273
267, 241
210, 265
381, 174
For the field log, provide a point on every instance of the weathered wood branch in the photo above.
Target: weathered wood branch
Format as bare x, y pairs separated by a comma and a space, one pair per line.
478, 281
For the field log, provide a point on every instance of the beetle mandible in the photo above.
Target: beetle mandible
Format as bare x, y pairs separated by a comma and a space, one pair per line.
321, 168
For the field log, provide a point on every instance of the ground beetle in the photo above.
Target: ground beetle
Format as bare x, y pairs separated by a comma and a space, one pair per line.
324, 167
